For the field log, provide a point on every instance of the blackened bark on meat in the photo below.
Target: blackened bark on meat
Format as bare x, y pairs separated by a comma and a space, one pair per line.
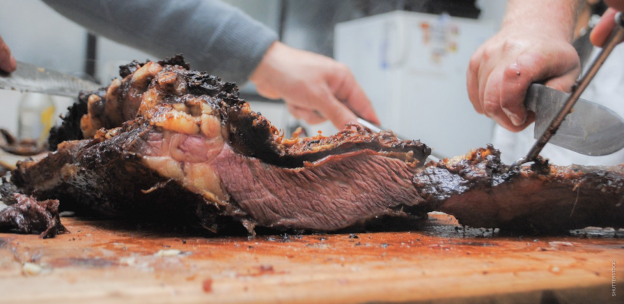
128, 69
251, 134
480, 191
108, 177
178, 60
204, 84
29, 216
70, 127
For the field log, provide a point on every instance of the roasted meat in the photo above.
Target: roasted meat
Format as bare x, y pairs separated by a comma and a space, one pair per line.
480, 191
167, 140
28, 215
171, 143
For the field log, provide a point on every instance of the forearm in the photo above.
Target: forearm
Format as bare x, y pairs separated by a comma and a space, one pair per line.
213, 36
555, 18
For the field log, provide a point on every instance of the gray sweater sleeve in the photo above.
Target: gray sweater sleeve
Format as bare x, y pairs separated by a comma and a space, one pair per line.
213, 36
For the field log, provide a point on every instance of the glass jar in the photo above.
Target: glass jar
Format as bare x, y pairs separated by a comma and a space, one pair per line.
36, 117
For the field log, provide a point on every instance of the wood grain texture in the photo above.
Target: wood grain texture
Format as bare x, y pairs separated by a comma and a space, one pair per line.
113, 262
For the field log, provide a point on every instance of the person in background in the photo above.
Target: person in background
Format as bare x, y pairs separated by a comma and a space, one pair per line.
222, 40
535, 45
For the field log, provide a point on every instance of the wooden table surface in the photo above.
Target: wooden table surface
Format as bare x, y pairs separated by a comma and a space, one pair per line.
104, 261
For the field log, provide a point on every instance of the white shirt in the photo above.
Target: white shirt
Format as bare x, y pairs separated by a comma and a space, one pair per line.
607, 88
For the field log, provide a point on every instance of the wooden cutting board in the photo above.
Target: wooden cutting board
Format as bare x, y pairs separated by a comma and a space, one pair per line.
114, 262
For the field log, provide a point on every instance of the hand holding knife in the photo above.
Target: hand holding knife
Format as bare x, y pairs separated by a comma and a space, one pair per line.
616, 36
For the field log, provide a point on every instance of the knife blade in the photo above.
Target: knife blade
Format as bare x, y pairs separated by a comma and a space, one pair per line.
590, 129
30, 78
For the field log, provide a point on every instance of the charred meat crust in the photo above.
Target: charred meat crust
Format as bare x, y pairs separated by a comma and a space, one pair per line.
28, 215
480, 191
253, 135
104, 176
70, 127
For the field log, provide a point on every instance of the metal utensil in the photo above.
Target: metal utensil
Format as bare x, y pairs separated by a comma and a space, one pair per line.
616, 36
591, 129
30, 78
375, 128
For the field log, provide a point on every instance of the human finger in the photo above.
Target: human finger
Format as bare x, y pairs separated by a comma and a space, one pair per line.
486, 68
559, 65
352, 94
309, 116
494, 99
472, 81
336, 111
7, 61
491, 97
603, 29
514, 86
493, 105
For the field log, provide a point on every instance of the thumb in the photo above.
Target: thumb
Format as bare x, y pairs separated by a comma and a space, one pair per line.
562, 83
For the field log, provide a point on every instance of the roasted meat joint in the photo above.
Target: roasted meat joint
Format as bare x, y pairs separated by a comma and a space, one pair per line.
168, 143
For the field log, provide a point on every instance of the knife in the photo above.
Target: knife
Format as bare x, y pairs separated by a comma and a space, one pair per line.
590, 129
30, 78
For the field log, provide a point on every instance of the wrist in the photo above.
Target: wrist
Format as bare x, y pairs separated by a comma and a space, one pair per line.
268, 72
267, 64
554, 19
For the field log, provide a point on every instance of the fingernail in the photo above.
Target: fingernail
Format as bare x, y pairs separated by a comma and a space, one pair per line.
515, 119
